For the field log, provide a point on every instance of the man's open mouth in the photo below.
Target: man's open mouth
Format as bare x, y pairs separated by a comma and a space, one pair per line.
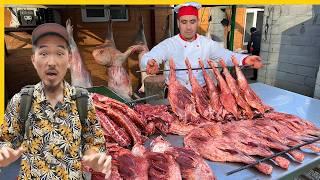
51, 73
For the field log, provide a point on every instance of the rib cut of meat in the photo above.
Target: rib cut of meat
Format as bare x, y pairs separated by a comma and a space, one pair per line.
252, 99
250, 146
200, 97
192, 165
134, 116
119, 118
213, 94
213, 149
232, 83
125, 122
113, 130
180, 98
242, 142
294, 123
226, 97
284, 134
246, 127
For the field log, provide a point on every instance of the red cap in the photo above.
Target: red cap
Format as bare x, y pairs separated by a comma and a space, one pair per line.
188, 10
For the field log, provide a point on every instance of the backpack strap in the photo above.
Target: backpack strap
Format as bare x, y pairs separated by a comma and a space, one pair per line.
81, 97
25, 106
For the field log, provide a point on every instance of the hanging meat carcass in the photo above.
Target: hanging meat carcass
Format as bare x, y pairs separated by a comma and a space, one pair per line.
245, 109
79, 74
140, 40
108, 55
200, 96
226, 98
181, 99
213, 94
250, 96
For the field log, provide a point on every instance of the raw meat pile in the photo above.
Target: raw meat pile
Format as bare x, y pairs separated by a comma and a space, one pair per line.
226, 122
157, 117
232, 99
161, 161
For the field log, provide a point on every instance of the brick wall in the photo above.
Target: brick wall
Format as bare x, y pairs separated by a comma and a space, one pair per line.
291, 46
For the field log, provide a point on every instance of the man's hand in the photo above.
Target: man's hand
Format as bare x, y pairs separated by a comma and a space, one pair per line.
255, 61
9, 155
99, 162
152, 67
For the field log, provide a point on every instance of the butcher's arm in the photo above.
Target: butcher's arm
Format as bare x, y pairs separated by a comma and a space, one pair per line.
159, 53
217, 52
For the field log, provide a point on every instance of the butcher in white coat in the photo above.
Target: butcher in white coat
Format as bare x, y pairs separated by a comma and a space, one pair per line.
189, 44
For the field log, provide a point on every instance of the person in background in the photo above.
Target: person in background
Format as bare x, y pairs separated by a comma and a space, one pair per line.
226, 27
254, 47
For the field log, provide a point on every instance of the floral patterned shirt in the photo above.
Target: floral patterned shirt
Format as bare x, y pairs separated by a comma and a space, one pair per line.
58, 139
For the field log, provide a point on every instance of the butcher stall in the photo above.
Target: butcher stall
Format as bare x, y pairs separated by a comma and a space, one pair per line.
209, 133
281, 100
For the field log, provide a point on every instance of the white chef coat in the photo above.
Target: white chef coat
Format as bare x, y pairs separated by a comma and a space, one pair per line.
201, 48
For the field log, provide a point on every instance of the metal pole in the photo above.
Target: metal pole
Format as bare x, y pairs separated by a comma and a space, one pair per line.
233, 23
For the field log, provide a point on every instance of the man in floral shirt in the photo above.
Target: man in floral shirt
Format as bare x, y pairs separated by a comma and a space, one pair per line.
59, 144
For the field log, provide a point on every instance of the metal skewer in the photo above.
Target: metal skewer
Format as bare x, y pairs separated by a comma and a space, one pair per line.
270, 157
142, 99
199, 68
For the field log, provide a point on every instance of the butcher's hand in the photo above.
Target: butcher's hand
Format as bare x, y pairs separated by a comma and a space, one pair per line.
9, 155
152, 67
99, 162
255, 61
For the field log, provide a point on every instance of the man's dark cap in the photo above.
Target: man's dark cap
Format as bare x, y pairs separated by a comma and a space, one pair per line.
48, 29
